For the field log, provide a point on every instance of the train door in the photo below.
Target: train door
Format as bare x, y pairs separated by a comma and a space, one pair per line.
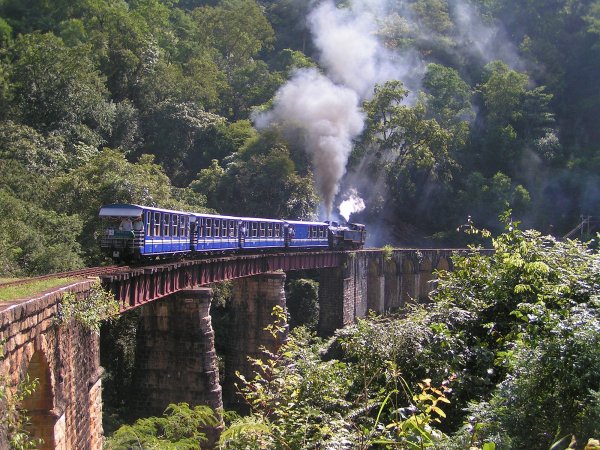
208, 233
242, 232
156, 232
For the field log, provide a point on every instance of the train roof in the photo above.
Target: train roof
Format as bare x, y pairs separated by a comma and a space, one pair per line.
131, 210
220, 216
305, 222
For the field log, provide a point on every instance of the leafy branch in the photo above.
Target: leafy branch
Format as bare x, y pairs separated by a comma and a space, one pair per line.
90, 311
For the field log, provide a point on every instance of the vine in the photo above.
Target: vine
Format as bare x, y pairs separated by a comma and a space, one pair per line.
90, 311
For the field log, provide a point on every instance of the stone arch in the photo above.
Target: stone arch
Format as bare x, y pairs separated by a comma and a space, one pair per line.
40, 403
443, 263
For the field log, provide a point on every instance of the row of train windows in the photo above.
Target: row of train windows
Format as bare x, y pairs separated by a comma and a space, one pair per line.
230, 228
217, 228
167, 224
317, 232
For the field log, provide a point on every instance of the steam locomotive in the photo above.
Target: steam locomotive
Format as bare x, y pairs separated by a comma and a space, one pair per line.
133, 232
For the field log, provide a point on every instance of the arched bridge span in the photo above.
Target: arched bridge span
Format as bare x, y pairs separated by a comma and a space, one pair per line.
145, 284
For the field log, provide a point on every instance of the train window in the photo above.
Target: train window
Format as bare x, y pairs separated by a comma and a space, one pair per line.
175, 225
148, 218
231, 228
200, 227
262, 229
166, 224
254, 229
315, 232
208, 227
182, 225
217, 226
321, 232
277, 230
224, 228
156, 224
269, 230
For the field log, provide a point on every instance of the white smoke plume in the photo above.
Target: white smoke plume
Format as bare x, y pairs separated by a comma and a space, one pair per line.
326, 107
353, 204
349, 48
329, 116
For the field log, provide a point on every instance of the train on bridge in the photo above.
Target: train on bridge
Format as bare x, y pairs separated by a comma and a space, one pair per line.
134, 232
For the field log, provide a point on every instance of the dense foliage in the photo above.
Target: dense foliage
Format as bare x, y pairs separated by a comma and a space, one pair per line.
149, 101
506, 355
178, 429
508, 351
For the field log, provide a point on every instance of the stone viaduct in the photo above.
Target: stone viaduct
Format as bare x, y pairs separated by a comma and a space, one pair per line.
175, 356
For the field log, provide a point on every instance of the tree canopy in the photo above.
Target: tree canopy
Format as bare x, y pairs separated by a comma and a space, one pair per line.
498, 108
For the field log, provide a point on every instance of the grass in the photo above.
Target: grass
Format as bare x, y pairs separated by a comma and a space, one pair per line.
30, 289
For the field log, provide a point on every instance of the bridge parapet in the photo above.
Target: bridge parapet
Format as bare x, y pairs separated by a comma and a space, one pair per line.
146, 284
66, 408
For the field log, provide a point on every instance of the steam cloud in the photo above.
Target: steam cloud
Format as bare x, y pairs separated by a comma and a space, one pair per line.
330, 117
349, 49
352, 204
326, 106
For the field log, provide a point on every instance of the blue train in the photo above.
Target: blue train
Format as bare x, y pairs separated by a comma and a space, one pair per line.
133, 232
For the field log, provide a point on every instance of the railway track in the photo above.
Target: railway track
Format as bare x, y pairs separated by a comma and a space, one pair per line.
82, 273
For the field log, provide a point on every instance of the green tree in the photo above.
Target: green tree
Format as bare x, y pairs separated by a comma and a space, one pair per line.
58, 89
485, 199
251, 85
184, 138
410, 151
39, 154
448, 98
515, 119
237, 28
109, 178
37, 241
261, 181
207, 182
434, 15
123, 43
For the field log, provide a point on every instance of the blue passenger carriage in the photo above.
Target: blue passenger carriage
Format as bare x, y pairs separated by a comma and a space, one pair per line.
215, 233
135, 232
262, 233
306, 234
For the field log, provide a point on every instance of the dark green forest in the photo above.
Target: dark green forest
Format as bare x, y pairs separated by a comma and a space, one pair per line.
428, 111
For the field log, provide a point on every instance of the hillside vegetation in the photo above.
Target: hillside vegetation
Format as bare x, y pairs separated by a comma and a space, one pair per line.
452, 108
